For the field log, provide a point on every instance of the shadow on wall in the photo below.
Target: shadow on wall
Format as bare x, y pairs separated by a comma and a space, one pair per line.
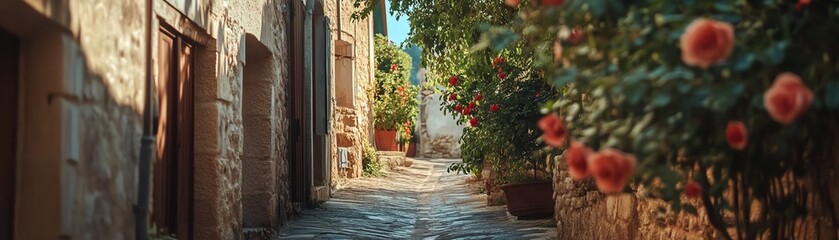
77, 143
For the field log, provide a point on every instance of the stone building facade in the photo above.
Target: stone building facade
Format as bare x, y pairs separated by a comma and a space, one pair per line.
238, 90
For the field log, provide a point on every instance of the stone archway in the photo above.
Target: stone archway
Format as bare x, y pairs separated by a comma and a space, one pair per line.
259, 178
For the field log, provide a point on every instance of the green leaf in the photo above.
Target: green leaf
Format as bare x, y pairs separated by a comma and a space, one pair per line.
775, 54
598, 7
744, 61
831, 96
689, 208
565, 77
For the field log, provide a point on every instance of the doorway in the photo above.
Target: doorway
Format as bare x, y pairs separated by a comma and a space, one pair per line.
298, 184
9, 50
173, 179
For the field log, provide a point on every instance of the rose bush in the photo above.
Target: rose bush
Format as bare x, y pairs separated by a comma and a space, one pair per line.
488, 104
734, 103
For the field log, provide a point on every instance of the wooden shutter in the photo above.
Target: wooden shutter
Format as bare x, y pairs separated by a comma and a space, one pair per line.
9, 49
328, 75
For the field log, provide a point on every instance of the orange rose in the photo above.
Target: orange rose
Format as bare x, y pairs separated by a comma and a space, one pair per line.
706, 42
736, 135
576, 157
787, 98
553, 129
611, 169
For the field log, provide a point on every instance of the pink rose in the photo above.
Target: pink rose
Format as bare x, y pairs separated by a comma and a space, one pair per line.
611, 169
577, 159
706, 42
553, 129
736, 135
787, 98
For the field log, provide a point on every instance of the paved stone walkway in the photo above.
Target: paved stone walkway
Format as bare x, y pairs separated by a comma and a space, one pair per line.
420, 202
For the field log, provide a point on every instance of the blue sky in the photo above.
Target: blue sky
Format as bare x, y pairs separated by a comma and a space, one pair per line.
397, 30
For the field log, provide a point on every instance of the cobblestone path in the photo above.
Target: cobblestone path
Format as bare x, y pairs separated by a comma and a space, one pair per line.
420, 202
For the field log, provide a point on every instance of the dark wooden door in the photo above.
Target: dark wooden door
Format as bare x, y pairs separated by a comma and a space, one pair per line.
173, 181
297, 169
8, 130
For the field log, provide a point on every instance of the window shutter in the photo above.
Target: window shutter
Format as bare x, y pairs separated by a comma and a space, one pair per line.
328, 75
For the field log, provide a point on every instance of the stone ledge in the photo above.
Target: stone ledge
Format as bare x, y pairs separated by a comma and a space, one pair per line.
257, 233
392, 160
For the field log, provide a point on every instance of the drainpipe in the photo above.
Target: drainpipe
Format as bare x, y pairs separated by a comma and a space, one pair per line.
308, 52
338, 6
142, 208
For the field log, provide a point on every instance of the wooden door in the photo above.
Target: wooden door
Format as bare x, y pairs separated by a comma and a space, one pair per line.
8, 130
173, 181
297, 169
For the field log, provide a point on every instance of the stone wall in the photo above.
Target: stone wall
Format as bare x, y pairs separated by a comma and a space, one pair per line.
582, 212
439, 133
351, 125
85, 96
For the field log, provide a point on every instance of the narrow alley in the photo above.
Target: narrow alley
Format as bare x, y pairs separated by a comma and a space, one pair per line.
419, 202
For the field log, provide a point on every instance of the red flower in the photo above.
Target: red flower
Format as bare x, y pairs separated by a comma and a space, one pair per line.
502, 75
479, 97
693, 189
552, 2
473, 122
802, 3
553, 129
494, 108
577, 159
453, 81
736, 135
577, 36
472, 104
611, 169
706, 42
458, 108
787, 98
393, 68
498, 60
452, 97
467, 111
512, 3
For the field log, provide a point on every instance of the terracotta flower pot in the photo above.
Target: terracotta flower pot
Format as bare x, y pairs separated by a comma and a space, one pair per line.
386, 140
529, 200
412, 150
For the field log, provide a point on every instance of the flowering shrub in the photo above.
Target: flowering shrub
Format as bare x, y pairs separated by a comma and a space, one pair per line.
734, 103
395, 97
498, 101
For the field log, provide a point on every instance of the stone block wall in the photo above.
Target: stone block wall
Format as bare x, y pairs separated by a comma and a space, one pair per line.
582, 212
439, 133
87, 96
351, 125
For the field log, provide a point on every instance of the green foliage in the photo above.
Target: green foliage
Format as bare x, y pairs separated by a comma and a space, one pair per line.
507, 137
370, 164
395, 98
625, 86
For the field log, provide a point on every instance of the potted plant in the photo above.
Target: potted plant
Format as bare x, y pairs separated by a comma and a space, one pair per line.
489, 97
395, 99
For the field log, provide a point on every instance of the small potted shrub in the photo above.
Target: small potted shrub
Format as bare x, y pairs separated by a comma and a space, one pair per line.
395, 98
